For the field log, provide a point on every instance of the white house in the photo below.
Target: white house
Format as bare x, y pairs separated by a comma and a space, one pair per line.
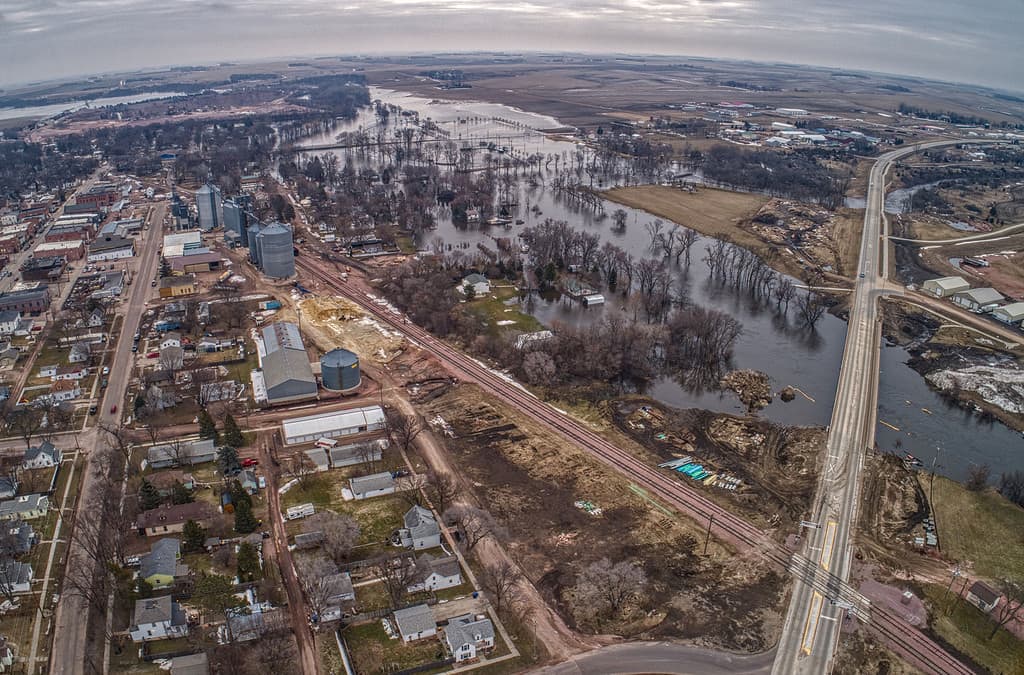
96, 318
41, 456
171, 339
1011, 314
157, 619
467, 635
434, 574
421, 529
477, 282
9, 321
415, 623
69, 373
63, 390
47, 371
80, 352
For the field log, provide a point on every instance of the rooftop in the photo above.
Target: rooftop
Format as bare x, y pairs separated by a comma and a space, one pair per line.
375, 481
415, 619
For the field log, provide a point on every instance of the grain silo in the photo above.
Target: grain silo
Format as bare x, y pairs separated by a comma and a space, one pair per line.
250, 240
276, 254
210, 207
339, 370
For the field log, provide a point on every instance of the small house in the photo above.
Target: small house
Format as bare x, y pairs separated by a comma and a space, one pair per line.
63, 390
983, 596
25, 507
157, 619
420, 529
171, 518
181, 453
247, 479
16, 577
42, 456
96, 318
415, 623
70, 373
308, 540
435, 574
9, 320
467, 635
171, 339
48, 371
374, 485
477, 282
22, 536
944, 287
165, 481
340, 596
80, 352
161, 566
318, 457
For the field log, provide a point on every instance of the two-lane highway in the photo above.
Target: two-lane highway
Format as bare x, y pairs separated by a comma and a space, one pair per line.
814, 618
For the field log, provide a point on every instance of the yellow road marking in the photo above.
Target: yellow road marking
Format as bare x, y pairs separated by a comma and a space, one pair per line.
811, 625
830, 540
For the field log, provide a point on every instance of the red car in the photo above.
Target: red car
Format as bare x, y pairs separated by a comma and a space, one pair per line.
251, 461
153, 355
113, 408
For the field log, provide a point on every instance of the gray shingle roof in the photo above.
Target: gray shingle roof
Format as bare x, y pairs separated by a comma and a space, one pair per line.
44, 448
371, 483
420, 522
161, 559
415, 619
464, 630
153, 610
340, 585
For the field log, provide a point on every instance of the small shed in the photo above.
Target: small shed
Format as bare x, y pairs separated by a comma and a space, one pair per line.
983, 596
943, 287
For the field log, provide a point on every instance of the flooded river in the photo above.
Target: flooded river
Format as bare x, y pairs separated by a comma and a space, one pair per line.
790, 355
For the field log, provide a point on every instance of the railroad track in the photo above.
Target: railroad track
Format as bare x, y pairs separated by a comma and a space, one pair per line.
725, 524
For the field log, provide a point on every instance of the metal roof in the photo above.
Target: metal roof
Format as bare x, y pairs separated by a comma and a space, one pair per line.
282, 335
285, 366
327, 423
982, 296
1014, 311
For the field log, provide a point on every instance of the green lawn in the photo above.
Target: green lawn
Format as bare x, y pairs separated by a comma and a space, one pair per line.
967, 628
981, 527
492, 309
373, 652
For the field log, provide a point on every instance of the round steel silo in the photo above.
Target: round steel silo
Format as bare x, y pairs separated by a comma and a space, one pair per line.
339, 370
274, 244
250, 236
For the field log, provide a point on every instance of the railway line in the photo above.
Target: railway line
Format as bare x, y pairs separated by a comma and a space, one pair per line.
902, 635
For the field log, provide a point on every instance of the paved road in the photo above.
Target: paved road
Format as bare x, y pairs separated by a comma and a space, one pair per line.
659, 657
70, 626
811, 629
995, 234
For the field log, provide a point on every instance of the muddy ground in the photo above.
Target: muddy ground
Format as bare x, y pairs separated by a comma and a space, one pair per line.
778, 466
892, 510
530, 479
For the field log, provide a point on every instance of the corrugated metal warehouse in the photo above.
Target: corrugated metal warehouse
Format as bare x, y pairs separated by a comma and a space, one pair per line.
333, 424
287, 375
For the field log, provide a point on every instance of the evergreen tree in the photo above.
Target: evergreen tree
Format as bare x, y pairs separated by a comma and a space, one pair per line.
207, 427
180, 494
245, 521
238, 495
232, 434
149, 498
143, 589
194, 536
227, 457
248, 563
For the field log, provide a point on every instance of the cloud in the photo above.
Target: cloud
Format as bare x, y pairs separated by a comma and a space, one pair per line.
47, 38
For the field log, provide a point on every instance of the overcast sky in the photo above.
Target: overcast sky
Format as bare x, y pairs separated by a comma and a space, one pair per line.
978, 42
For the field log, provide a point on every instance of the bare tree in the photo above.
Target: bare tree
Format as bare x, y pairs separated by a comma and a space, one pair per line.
602, 589
475, 524
301, 469
441, 489
396, 574
118, 439
314, 573
403, 429
538, 367
25, 421
341, 533
977, 477
619, 217
810, 307
502, 582
1010, 609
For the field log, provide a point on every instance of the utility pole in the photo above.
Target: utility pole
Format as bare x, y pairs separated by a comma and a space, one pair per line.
707, 536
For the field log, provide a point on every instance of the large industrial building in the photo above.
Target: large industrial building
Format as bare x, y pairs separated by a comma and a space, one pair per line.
275, 252
333, 425
285, 375
185, 253
210, 207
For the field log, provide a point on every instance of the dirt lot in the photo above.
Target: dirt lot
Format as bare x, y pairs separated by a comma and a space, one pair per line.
530, 480
777, 465
893, 507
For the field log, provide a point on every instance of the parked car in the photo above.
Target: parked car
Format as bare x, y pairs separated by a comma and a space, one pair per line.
135, 348
153, 355
113, 409
92, 410
250, 461
106, 370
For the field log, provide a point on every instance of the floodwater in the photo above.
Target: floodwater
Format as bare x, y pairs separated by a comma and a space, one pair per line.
46, 111
791, 355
